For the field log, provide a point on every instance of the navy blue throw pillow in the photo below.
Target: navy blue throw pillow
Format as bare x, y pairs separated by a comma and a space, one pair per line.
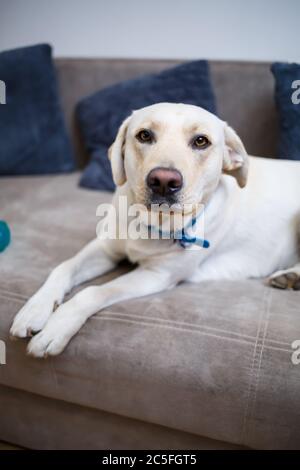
287, 97
101, 114
33, 138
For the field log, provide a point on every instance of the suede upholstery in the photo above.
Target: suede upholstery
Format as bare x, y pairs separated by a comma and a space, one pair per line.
85, 428
210, 359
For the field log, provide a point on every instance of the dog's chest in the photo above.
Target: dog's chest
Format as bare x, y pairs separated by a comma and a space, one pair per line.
139, 250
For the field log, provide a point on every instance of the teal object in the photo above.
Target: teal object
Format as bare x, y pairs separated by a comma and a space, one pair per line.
4, 235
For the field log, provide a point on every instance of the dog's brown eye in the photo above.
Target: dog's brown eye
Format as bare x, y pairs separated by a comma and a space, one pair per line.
201, 142
145, 136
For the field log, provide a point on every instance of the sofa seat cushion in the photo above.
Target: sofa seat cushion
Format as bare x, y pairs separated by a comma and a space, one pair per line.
213, 359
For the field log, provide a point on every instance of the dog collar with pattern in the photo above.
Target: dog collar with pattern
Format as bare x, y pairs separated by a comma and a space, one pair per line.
182, 237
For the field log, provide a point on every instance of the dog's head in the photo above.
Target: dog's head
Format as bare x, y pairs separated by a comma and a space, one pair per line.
175, 154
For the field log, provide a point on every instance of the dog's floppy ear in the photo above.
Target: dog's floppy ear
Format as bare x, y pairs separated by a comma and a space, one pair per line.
116, 154
236, 160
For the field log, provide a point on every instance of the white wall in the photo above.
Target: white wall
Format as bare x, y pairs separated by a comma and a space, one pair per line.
215, 29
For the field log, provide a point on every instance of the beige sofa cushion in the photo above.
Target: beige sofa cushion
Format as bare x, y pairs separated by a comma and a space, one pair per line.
212, 359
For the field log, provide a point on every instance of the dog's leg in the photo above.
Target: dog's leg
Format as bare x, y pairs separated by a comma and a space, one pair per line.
90, 262
287, 278
71, 316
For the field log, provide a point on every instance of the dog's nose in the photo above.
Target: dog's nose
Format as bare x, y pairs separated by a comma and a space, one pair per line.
164, 181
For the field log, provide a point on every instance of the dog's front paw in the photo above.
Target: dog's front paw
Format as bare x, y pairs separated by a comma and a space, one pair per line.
47, 343
55, 336
33, 316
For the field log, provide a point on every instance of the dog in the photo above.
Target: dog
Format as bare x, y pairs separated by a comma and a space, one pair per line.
177, 154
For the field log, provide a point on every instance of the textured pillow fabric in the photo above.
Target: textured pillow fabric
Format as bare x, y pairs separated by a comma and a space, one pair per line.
289, 112
33, 133
101, 114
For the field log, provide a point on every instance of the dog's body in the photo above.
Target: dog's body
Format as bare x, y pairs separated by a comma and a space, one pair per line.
253, 232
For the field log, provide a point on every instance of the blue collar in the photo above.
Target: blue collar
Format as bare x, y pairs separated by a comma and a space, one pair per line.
185, 240
182, 237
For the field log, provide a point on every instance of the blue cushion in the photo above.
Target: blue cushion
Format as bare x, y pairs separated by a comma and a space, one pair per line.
289, 112
33, 133
101, 114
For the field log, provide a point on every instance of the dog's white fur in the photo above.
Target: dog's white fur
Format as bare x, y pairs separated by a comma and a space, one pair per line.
253, 231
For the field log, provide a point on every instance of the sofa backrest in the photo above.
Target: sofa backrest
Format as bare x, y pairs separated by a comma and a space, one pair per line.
244, 93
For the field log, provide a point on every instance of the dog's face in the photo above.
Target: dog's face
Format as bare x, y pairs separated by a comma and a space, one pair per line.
175, 154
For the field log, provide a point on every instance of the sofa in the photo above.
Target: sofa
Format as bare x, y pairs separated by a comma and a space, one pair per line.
202, 366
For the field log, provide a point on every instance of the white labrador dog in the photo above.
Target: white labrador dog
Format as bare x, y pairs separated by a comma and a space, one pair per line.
177, 154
